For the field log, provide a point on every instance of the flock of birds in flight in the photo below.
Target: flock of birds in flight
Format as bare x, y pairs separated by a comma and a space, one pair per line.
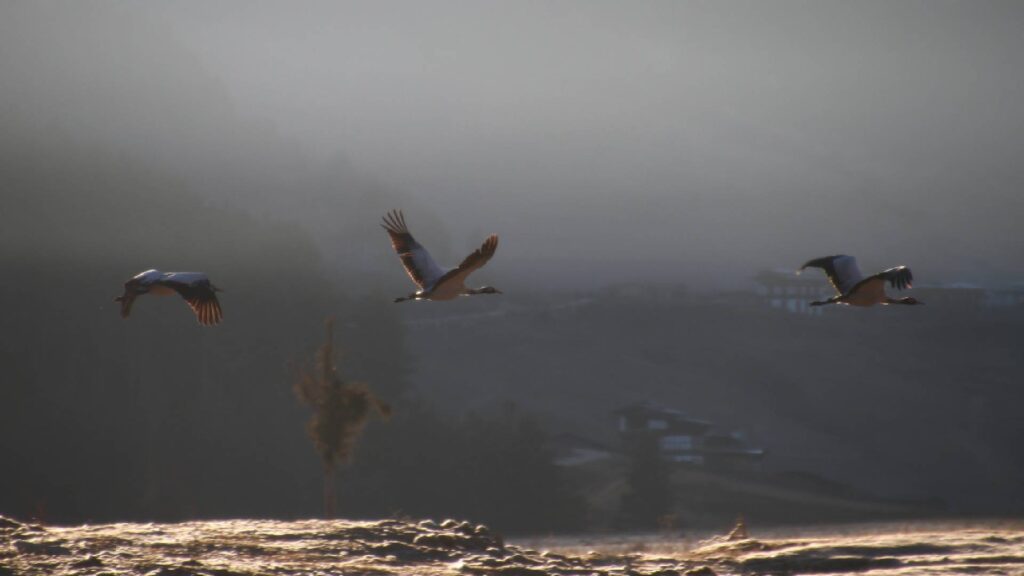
436, 283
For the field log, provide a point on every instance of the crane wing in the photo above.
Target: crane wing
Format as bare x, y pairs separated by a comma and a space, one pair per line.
842, 270
474, 261
197, 291
899, 277
418, 263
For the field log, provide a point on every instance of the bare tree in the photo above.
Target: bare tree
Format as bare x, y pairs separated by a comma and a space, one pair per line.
340, 412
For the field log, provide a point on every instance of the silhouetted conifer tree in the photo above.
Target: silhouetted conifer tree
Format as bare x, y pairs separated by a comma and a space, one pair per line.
340, 412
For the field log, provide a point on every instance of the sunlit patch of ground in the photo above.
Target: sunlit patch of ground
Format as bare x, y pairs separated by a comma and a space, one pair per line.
882, 549
318, 547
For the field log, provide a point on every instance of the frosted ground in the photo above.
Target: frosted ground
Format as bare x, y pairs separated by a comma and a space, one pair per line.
318, 547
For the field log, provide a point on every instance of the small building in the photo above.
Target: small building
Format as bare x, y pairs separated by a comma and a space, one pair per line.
679, 437
792, 292
687, 440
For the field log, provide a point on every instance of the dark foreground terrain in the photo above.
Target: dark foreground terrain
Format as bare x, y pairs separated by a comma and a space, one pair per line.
256, 547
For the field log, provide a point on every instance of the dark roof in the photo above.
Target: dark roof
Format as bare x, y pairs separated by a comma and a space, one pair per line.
675, 418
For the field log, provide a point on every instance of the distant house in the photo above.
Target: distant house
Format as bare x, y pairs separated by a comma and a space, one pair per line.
785, 290
679, 437
687, 440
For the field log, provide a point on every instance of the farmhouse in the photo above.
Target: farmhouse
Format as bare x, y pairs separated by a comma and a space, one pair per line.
687, 440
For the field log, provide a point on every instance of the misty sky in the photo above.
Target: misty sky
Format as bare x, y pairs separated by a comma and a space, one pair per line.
672, 141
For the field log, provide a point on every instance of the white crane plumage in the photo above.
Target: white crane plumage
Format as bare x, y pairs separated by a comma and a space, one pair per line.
194, 287
434, 282
853, 289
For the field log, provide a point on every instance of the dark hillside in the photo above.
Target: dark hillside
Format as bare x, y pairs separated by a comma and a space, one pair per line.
898, 401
